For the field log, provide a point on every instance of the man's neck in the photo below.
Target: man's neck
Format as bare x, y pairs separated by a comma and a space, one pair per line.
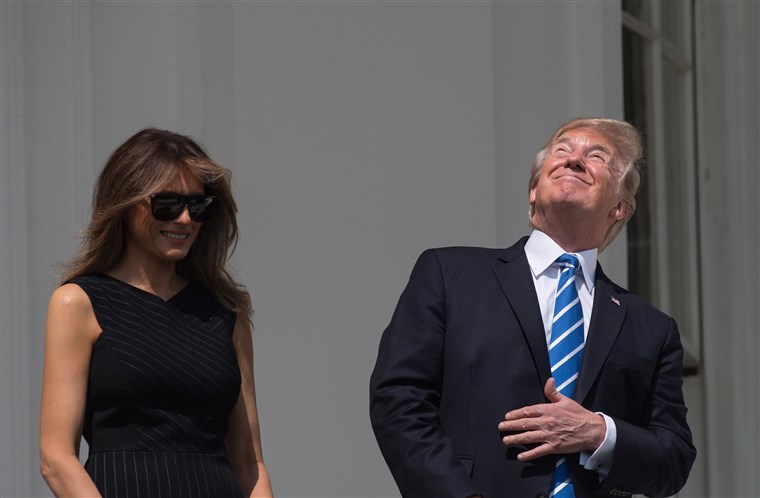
571, 234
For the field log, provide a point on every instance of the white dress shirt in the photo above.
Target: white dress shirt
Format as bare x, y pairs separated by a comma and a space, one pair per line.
542, 252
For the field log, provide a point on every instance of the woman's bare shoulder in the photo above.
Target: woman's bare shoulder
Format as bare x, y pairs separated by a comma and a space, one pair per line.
70, 312
70, 297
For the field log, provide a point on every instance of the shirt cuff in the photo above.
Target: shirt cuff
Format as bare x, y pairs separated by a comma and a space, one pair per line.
600, 461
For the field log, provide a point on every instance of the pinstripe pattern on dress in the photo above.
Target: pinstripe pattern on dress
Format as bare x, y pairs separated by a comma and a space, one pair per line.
163, 380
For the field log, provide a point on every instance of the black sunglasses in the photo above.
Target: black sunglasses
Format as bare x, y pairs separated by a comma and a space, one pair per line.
168, 207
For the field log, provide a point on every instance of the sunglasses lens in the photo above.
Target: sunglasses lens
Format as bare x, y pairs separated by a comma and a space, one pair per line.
166, 207
200, 208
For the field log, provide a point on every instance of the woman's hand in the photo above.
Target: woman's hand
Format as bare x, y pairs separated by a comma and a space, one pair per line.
243, 439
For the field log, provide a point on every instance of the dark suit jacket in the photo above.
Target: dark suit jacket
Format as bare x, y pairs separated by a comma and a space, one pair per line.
467, 344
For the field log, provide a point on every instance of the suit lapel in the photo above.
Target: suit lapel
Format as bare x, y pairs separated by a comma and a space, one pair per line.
607, 317
513, 274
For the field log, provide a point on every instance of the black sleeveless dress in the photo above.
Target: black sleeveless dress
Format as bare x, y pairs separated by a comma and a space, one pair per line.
163, 380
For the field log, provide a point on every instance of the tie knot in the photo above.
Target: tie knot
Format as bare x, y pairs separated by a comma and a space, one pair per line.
567, 261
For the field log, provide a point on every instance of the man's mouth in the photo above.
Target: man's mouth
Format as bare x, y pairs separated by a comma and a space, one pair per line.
573, 176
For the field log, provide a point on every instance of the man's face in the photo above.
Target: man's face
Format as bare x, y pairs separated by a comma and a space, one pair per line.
577, 175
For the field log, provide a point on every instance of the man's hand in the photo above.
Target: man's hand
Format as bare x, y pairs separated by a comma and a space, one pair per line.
560, 426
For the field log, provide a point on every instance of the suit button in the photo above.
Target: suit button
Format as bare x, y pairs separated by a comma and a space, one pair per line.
541, 495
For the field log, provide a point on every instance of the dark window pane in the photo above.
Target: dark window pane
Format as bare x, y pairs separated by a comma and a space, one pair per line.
678, 204
673, 19
640, 9
639, 228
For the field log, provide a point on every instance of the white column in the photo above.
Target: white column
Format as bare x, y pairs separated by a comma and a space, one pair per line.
217, 90
728, 65
58, 168
16, 423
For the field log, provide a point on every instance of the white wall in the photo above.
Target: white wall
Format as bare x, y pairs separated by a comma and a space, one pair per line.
364, 135
553, 61
15, 405
359, 133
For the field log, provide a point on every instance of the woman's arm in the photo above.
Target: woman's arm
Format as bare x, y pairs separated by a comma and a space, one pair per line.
243, 440
70, 333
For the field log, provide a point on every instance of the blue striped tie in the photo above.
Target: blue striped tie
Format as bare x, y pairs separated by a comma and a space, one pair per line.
565, 353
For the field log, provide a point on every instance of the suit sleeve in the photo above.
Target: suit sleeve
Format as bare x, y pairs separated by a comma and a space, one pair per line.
405, 391
654, 458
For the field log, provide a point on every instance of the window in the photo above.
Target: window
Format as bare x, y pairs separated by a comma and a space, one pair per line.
658, 91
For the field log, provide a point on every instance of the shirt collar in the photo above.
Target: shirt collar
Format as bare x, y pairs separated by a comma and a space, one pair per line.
542, 252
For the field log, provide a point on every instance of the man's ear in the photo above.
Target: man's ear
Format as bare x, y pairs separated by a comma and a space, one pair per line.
619, 211
532, 196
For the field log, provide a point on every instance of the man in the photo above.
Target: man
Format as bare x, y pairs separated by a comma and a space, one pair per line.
526, 372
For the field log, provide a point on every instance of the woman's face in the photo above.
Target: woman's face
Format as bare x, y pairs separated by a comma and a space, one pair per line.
168, 241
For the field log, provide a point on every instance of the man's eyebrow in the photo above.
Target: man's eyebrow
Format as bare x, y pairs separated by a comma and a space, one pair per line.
567, 140
602, 148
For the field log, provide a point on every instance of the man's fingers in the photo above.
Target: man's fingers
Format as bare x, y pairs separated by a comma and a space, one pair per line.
517, 423
534, 453
525, 412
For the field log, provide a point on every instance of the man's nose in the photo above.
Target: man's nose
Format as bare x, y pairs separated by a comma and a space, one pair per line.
575, 161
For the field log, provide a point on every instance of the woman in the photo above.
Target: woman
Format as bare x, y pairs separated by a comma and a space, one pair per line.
148, 349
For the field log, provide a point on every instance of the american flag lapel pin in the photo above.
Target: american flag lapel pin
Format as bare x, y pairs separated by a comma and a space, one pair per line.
612, 298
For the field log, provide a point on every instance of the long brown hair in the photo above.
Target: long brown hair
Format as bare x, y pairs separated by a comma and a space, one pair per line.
140, 167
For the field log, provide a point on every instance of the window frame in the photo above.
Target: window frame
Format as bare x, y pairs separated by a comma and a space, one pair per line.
679, 299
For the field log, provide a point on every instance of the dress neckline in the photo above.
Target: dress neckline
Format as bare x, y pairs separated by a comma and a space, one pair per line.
143, 291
